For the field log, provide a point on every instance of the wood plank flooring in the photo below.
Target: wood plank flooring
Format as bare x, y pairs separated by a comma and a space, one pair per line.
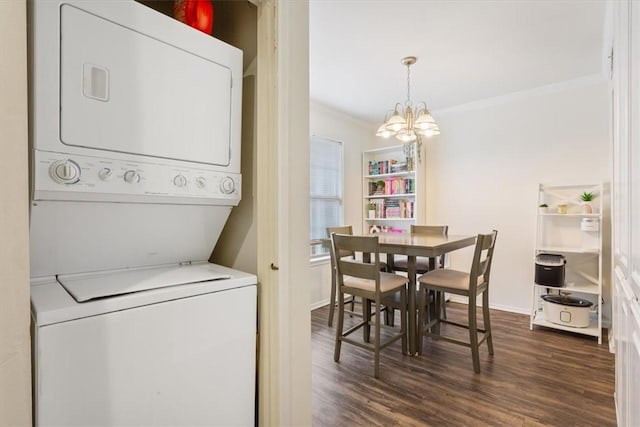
542, 377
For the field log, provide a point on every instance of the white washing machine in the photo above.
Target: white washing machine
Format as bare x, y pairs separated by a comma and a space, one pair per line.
135, 133
146, 349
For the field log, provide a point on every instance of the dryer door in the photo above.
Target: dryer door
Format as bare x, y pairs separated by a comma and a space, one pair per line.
122, 90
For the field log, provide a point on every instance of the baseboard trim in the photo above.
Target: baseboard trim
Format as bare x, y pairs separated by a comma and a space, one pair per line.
508, 308
319, 304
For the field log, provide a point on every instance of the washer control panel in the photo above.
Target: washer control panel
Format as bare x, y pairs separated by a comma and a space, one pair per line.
56, 172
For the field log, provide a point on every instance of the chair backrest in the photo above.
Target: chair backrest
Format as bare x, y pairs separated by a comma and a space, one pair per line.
355, 268
482, 257
433, 230
439, 230
345, 229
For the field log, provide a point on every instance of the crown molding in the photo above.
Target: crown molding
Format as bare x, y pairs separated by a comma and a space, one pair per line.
585, 81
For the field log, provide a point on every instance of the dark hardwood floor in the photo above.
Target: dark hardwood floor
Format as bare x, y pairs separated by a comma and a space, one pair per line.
535, 378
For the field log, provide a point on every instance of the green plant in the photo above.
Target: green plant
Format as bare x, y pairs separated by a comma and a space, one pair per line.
544, 205
587, 197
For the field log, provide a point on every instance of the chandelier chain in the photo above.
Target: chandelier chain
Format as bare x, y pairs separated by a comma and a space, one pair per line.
408, 102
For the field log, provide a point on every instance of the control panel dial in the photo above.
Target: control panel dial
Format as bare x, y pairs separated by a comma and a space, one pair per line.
65, 171
201, 182
132, 177
105, 174
227, 185
180, 181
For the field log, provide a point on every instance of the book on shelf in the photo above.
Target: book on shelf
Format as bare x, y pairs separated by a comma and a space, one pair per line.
382, 167
391, 186
389, 209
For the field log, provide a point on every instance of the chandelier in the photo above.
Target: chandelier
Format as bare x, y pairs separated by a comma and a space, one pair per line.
407, 122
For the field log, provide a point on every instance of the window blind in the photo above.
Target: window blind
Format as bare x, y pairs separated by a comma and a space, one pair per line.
325, 182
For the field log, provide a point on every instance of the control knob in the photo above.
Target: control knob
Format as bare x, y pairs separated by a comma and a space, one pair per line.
105, 174
132, 177
65, 171
201, 182
180, 181
227, 185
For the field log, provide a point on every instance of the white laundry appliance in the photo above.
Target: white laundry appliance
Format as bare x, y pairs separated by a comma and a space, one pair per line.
135, 133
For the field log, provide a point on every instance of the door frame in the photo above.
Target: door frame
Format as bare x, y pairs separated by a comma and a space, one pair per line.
284, 387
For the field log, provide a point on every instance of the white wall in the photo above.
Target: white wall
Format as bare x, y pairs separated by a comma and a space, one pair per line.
355, 135
483, 172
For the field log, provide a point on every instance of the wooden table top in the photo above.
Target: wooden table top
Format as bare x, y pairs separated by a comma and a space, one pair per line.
421, 244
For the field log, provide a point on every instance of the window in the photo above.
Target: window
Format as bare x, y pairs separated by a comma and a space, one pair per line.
325, 190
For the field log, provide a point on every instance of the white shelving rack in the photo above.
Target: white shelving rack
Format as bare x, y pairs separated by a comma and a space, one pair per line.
396, 202
560, 231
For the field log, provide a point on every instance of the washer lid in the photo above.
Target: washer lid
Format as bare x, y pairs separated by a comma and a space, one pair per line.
89, 286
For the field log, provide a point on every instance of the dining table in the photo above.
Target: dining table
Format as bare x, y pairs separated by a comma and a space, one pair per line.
415, 245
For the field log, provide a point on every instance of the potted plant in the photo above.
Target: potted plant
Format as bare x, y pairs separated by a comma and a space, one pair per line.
380, 187
543, 208
586, 198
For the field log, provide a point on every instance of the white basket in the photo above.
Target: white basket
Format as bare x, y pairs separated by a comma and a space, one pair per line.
590, 224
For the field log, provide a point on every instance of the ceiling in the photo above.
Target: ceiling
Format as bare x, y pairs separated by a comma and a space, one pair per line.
466, 50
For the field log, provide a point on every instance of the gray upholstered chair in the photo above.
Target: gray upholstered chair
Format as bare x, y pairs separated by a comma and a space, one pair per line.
365, 280
471, 284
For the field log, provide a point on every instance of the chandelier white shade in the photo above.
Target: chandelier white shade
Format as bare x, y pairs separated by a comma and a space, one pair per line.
408, 122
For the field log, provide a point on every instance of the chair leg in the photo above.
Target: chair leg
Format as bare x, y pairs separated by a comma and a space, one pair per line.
376, 343
366, 316
444, 305
403, 320
339, 326
487, 320
389, 316
332, 300
437, 311
473, 334
422, 313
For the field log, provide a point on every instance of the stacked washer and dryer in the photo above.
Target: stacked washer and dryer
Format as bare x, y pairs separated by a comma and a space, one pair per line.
135, 133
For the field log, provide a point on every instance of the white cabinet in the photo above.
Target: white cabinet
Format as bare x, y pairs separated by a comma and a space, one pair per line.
625, 92
572, 228
390, 189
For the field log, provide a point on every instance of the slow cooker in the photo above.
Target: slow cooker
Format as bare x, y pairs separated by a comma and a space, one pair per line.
566, 310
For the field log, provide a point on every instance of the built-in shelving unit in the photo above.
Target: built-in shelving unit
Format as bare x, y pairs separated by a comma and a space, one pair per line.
390, 188
562, 229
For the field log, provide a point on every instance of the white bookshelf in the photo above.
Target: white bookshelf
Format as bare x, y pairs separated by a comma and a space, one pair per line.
395, 200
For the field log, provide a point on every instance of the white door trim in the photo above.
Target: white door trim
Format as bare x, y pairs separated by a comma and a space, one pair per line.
283, 220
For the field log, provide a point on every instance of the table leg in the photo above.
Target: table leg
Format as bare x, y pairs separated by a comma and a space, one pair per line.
390, 265
411, 271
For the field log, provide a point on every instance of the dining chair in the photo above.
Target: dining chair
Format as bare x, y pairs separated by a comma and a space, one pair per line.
344, 229
471, 285
422, 266
422, 263
364, 279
